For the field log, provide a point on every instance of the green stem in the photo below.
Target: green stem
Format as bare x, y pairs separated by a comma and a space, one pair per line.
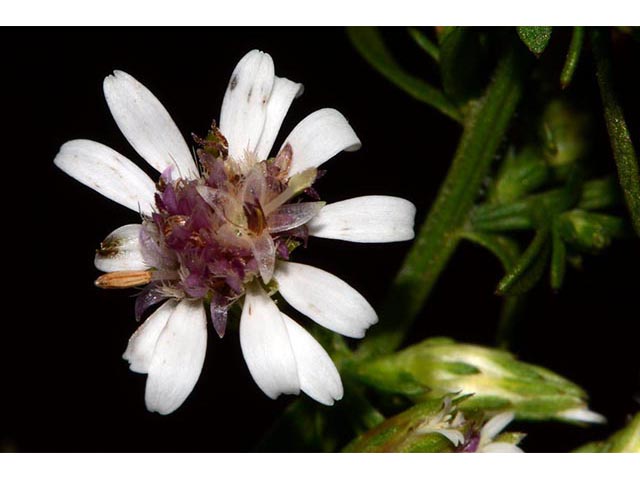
623, 152
438, 238
512, 309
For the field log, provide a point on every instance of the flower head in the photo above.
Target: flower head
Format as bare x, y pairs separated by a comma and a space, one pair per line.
219, 231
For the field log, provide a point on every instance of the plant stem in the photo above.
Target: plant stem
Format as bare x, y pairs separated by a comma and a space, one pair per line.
484, 129
623, 152
512, 308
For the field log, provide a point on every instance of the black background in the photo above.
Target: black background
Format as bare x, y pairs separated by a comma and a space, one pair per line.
69, 389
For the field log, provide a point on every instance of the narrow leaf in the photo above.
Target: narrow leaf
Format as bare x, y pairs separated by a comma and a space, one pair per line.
504, 248
529, 268
425, 43
535, 38
600, 193
370, 45
623, 151
573, 55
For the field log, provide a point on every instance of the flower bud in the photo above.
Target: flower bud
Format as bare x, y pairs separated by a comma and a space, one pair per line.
564, 132
496, 380
588, 231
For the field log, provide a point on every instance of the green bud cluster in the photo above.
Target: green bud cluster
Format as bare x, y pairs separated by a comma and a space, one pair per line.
589, 231
496, 380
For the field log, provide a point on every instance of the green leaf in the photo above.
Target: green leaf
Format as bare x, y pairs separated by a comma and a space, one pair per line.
623, 151
425, 43
529, 268
535, 38
573, 55
462, 63
600, 193
371, 46
504, 248
535, 211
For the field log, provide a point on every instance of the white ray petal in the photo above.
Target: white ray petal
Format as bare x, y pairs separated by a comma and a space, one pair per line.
108, 173
374, 218
319, 137
178, 358
583, 415
454, 436
244, 107
266, 346
147, 125
143, 342
500, 447
283, 93
121, 250
326, 299
494, 426
319, 377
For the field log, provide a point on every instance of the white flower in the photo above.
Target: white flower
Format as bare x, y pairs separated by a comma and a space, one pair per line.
235, 190
490, 430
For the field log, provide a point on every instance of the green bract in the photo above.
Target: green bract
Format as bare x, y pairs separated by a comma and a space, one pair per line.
495, 378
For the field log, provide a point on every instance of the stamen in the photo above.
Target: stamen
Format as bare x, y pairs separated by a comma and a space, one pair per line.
124, 279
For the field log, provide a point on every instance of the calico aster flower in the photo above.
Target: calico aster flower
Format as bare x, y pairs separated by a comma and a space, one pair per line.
218, 232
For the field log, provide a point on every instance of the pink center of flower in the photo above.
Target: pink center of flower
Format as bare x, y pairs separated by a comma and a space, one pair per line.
211, 236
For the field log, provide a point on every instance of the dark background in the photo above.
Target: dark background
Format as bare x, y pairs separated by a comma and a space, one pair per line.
69, 389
